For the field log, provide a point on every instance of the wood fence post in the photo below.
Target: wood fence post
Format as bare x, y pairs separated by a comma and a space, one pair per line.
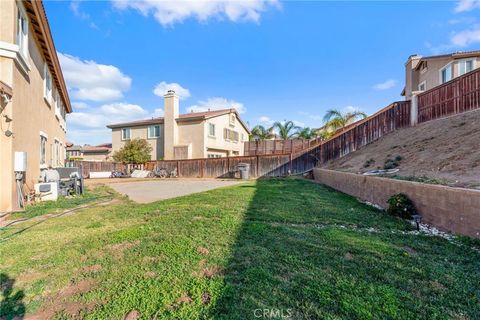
258, 167
291, 164
178, 168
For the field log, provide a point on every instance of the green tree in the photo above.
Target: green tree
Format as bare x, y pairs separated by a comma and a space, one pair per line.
134, 151
306, 133
285, 129
259, 132
335, 119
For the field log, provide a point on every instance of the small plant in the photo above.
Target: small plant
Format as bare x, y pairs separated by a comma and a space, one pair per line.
400, 205
392, 163
368, 163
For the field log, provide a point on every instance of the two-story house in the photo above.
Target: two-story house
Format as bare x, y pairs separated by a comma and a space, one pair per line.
101, 152
209, 134
33, 96
425, 73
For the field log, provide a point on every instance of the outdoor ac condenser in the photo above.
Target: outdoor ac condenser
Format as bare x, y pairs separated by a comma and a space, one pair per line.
47, 191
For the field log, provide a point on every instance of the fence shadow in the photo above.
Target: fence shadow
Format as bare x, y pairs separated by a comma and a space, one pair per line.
11, 303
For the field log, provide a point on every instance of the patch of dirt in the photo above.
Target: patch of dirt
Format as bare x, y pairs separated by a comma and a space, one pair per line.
206, 298
29, 277
93, 269
444, 149
208, 272
348, 256
118, 248
132, 315
151, 274
185, 298
203, 251
62, 302
410, 251
437, 285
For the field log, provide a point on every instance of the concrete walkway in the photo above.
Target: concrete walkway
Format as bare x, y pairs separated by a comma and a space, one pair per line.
151, 191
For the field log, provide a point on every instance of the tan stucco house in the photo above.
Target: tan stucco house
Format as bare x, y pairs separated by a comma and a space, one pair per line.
209, 134
425, 73
101, 152
33, 96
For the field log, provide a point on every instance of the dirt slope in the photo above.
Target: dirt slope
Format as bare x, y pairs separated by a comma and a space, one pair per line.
446, 150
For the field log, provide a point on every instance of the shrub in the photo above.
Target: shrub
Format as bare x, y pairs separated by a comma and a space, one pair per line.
134, 151
400, 205
368, 163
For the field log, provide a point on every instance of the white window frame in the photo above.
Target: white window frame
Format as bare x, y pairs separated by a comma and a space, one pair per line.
448, 65
232, 119
21, 38
56, 152
47, 79
149, 136
464, 62
124, 138
423, 83
210, 127
58, 105
43, 149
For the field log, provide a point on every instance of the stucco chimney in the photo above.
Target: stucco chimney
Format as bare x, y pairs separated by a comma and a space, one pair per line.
410, 82
170, 123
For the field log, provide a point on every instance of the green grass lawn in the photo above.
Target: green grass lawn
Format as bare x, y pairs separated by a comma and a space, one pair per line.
290, 246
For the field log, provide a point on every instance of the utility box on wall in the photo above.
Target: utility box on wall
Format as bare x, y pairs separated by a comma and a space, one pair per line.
20, 162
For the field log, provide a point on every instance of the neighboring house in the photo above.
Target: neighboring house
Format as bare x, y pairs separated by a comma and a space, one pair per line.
101, 152
34, 98
210, 134
425, 73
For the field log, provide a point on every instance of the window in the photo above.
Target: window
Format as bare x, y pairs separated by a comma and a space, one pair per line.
58, 105
465, 66
232, 119
446, 74
211, 130
48, 84
230, 135
424, 67
126, 134
213, 155
22, 33
154, 131
422, 86
43, 150
56, 154
243, 137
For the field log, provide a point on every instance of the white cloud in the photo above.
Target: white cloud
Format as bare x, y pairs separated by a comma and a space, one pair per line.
159, 112
266, 120
299, 123
75, 7
466, 37
168, 13
106, 114
79, 105
88, 80
388, 84
162, 88
350, 109
217, 103
467, 5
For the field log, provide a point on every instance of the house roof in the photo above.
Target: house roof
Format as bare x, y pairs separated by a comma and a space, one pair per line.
453, 55
105, 147
193, 116
41, 28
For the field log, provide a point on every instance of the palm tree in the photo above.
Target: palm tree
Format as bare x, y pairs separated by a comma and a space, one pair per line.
306, 133
335, 119
285, 129
259, 132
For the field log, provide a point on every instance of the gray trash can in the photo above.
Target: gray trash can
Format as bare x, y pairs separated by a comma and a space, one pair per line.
244, 169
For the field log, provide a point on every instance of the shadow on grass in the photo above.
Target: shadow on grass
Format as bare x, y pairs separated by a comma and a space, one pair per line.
11, 303
301, 253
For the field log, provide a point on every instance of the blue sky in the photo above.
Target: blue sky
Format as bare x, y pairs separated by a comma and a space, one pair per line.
271, 60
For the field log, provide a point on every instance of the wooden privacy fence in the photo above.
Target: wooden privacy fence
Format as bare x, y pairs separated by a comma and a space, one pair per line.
456, 96
261, 147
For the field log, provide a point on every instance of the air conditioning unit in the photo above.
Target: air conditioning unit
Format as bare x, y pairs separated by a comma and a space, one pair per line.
48, 191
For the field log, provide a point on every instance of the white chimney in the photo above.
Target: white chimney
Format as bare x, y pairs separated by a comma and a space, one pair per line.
170, 123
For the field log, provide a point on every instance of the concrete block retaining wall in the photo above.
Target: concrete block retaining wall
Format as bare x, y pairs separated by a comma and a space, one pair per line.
451, 209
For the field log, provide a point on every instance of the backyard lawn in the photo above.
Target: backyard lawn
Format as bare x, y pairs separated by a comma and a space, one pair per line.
259, 250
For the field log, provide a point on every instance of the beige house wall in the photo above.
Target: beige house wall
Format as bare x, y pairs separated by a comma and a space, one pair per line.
431, 76
192, 134
31, 114
219, 144
157, 144
93, 156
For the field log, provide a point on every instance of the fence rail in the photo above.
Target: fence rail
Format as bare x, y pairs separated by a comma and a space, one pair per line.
456, 96
263, 147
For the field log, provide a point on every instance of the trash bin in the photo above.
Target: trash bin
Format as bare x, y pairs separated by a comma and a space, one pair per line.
244, 169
